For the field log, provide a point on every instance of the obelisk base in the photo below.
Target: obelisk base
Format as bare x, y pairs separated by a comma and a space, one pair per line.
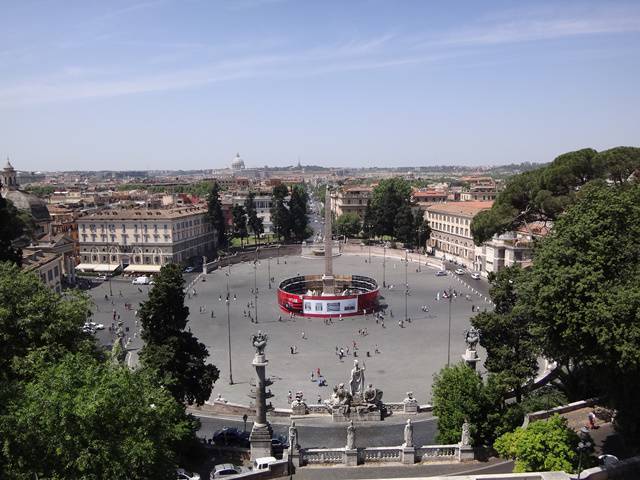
260, 440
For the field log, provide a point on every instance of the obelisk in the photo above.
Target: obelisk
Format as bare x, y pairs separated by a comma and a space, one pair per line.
328, 282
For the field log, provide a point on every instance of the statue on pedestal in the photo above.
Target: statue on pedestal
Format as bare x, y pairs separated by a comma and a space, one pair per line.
465, 440
471, 338
293, 438
351, 436
259, 341
408, 434
356, 382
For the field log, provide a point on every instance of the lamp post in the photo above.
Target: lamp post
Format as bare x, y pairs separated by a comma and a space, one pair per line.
227, 301
384, 265
406, 284
278, 252
450, 298
369, 251
255, 285
269, 270
583, 446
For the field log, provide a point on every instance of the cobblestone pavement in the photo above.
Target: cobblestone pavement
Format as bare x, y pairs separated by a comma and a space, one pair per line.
408, 357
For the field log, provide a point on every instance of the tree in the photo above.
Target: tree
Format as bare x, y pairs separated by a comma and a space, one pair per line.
348, 224
582, 295
239, 222
545, 193
369, 221
10, 229
423, 230
216, 216
298, 209
458, 395
404, 226
37, 325
82, 418
505, 333
175, 357
255, 222
280, 216
542, 446
387, 198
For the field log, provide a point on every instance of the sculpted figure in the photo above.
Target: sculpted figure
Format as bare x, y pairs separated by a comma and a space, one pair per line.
357, 379
408, 434
351, 436
471, 337
293, 437
465, 440
259, 341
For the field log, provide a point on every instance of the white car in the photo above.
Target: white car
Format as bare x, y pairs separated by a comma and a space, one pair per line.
459, 271
99, 326
182, 474
441, 273
475, 276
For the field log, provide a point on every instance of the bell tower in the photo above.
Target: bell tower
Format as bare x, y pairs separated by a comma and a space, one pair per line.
9, 177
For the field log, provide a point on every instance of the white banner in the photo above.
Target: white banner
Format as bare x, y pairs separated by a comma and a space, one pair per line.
330, 307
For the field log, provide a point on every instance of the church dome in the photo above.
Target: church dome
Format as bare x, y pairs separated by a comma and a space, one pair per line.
29, 203
238, 163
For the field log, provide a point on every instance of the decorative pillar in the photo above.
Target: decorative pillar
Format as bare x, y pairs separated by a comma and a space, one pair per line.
328, 282
293, 452
261, 433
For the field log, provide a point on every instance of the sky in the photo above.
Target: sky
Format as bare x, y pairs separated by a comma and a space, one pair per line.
186, 84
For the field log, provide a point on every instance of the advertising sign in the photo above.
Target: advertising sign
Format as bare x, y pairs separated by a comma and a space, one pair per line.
330, 307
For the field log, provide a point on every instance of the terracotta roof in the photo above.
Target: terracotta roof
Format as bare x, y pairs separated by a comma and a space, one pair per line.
465, 209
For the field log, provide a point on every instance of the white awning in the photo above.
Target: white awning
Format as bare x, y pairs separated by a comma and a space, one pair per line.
97, 267
143, 268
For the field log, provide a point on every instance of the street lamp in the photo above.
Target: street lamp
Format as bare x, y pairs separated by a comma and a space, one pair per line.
227, 301
583, 446
384, 265
269, 270
369, 251
450, 298
406, 284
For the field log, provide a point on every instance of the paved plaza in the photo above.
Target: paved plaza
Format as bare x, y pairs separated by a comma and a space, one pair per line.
408, 355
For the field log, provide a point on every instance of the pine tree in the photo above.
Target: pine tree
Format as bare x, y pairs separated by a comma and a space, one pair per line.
280, 216
255, 222
239, 222
404, 226
298, 210
174, 356
215, 215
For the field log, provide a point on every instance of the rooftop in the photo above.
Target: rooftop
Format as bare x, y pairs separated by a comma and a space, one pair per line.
465, 209
34, 259
147, 213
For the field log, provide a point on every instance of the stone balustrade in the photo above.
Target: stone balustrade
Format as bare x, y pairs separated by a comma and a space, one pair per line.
382, 454
429, 453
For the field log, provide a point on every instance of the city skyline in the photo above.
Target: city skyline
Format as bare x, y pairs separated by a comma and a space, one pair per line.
185, 85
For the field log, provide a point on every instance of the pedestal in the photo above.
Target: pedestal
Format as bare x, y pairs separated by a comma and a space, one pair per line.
470, 357
466, 453
410, 408
350, 457
260, 440
408, 455
357, 417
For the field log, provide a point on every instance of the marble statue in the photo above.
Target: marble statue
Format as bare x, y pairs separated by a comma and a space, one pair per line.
372, 396
356, 383
408, 434
351, 436
259, 341
293, 437
471, 338
465, 440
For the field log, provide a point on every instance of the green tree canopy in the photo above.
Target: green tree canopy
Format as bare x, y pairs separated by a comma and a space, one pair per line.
348, 224
543, 446
387, 199
582, 294
81, 418
298, 209
174, 356
10, 229
280, 215
545, 193
404, 229
505, 333
216, 216
239, 222
255, 222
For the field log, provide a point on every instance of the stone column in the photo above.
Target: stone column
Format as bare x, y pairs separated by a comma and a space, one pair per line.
261, 433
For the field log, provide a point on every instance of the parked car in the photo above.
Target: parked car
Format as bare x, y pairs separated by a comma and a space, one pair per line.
102, 277
231, 437
143, 280
188, 270
441, 273
263, 463
182, 474
459, 271
224, 469
475, 276
278, 444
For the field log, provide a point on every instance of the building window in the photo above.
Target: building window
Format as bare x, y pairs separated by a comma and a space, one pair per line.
56, 271
50, 275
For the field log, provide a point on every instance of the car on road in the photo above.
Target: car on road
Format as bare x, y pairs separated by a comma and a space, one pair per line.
143, 280
102, 277
441, 273
223, 470
188, 270
459, 271
278, 444
263, 463
182, 474
475, 276
231, 437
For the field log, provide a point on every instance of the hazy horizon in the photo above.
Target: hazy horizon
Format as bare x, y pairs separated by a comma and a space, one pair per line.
170, 85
